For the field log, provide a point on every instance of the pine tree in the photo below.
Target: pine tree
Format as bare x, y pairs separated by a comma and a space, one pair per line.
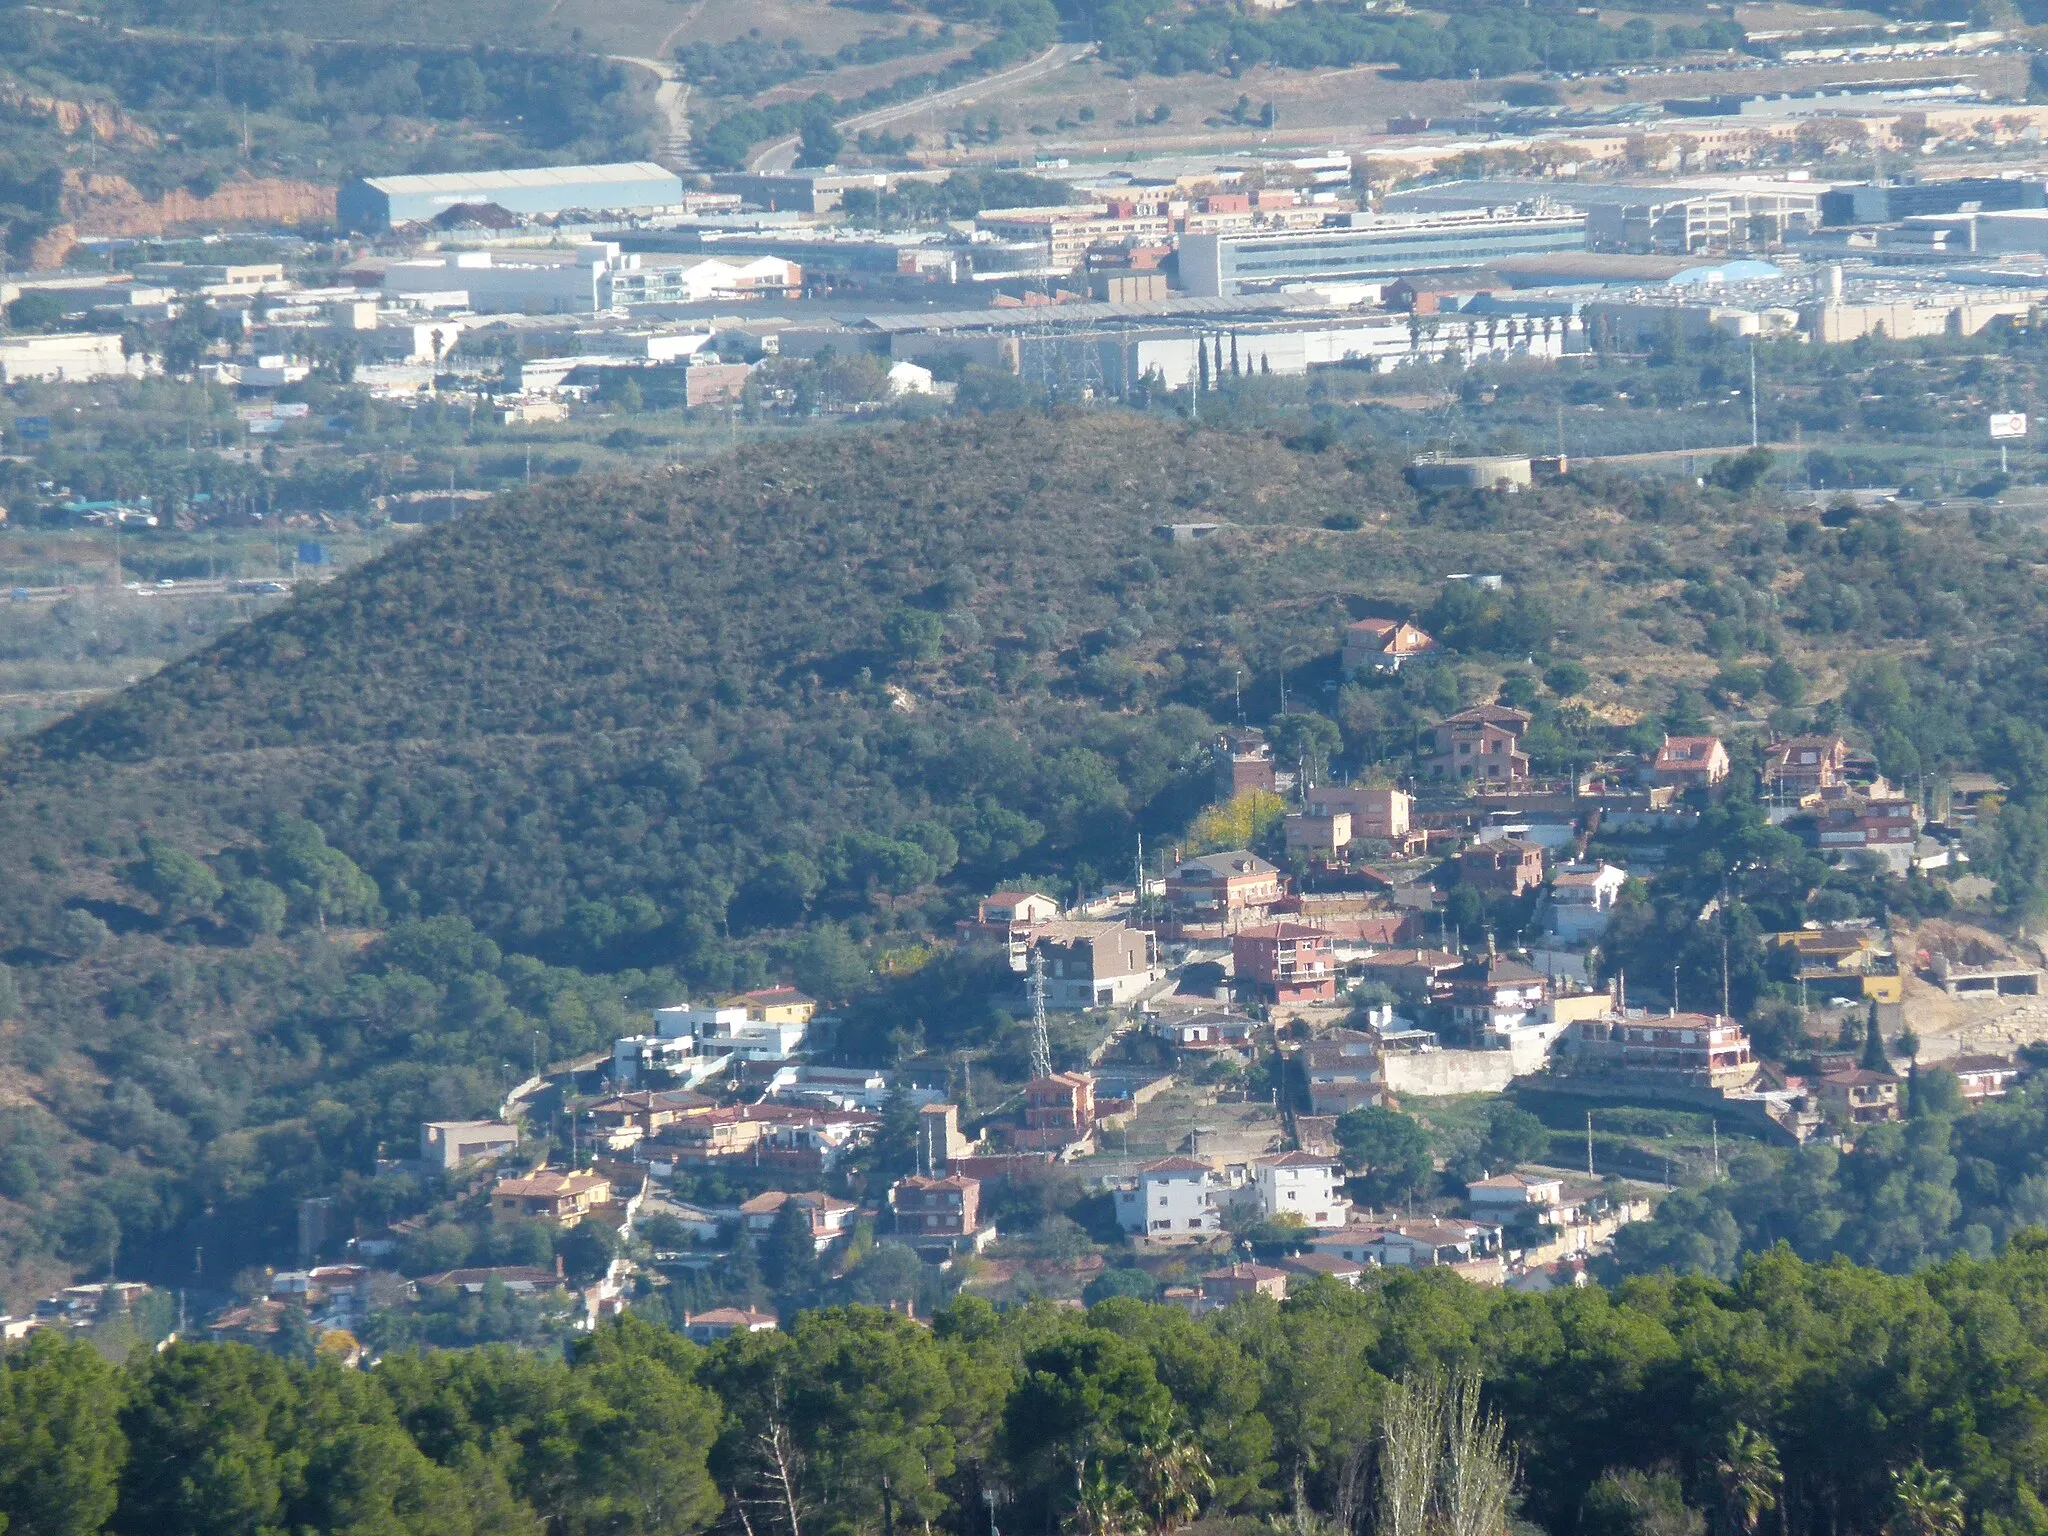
1874, 1058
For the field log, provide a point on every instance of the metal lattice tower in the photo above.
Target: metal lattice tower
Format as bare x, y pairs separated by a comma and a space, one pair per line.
1041, 1042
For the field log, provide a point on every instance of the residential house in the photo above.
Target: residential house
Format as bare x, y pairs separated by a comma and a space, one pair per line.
516, 1279
1323, 836
1174, 1197
1859, 1096
1096, 965
773, 1005
1582, 900
1506, 866
940, 1212
647, 1112
1008, 920
1205, 1031
794, 1138
1493, 997
1225, 889
1328, 1265
1303, 1185
448, 1144
850, 1088
1690, 762
1507, 1196
1983, 1077
831, 1218
1244, 763
1471, 1247
1240, 1282
1059, 1114
1482, 744
1882, 822
1704, 1050
723, 1322
1835, 960
1419, 976
1804, 765
1383, 644
1377, 815
563, 1198
1284, 962
1342, 1072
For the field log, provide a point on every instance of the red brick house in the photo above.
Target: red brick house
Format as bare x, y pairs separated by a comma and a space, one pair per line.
1244, 762
938, 1212
1222, 888
1285, 963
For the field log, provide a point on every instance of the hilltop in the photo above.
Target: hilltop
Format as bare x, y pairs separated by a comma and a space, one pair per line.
611, 741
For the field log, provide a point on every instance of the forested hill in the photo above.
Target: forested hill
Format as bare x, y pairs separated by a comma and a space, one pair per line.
633, 695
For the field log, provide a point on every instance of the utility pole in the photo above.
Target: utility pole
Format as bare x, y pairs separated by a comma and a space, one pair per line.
1589, 1144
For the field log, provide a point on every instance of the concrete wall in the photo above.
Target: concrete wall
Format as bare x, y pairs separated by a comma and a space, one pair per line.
1439, 1074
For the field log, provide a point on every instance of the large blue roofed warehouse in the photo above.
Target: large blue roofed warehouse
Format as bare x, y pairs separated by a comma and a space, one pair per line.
388, 202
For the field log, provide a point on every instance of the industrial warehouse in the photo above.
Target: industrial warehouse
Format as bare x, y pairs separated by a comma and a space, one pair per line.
376, 204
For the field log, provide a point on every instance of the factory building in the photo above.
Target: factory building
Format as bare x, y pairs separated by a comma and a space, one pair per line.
591, 279
1375, 247
1685, 216
378, 203
1869, 204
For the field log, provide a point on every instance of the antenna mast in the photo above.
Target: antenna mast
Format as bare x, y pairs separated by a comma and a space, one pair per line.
1041, 1042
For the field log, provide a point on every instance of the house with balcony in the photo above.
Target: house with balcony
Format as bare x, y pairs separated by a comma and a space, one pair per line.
1493, 998
830, 1217
1582, 901
1096, 965
1281, 963
1480, 745
1009, 920
1175, 1197
940, 1213
1804, 765
1694, 1049
1303, 1185
1860, 1096
1223, 890
560, 1198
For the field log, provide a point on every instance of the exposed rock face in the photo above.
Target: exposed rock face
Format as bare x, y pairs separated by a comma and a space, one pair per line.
105, 121
110, 205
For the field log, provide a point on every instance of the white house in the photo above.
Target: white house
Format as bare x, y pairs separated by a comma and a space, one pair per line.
1582, 900
1175, 1196
1507, 1194
1304, 1185
726, 1030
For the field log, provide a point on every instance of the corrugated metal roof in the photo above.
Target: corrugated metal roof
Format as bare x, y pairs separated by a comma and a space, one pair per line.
542, 176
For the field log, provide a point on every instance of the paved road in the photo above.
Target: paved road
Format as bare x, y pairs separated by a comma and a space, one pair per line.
781, 155
218, 587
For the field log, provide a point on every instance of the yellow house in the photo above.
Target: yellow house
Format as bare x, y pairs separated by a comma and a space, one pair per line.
773, 1005
563, 1198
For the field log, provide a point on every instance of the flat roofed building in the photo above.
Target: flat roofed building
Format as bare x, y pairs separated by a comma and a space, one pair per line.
447, 1144
1374, 246
375, 203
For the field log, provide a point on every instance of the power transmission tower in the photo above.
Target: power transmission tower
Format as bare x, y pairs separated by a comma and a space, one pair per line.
1041, 1042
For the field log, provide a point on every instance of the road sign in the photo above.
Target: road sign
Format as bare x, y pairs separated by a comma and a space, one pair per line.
2008, 424
32, 429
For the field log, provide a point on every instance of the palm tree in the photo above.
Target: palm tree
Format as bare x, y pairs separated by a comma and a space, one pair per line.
1172, 1481
1928, 1503
1749, 1477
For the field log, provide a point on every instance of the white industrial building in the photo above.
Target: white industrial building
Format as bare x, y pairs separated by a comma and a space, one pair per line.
67, 357
595, 278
